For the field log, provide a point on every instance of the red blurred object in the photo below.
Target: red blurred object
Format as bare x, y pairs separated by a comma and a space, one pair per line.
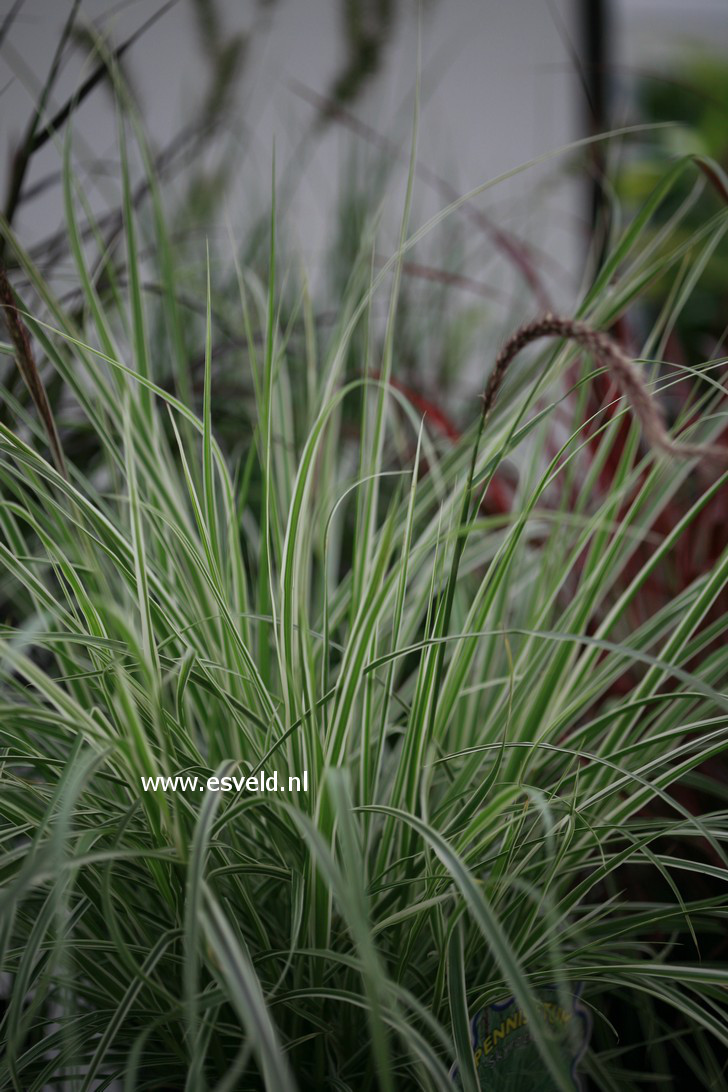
499, 497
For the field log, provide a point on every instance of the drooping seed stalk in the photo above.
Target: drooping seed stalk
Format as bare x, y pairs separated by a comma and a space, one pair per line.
609, 353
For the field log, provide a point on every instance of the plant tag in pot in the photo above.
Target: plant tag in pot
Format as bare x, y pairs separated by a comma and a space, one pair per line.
506, 1057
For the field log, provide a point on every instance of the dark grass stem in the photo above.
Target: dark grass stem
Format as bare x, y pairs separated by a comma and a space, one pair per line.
28, 369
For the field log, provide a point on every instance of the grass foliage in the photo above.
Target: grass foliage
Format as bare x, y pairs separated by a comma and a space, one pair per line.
503, 745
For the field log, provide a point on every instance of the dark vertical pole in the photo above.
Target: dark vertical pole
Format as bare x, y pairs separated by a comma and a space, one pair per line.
595, 36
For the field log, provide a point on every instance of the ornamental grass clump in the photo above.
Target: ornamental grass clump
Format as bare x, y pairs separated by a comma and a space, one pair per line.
512, 723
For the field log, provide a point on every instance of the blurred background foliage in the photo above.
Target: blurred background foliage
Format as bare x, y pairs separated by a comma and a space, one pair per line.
691, 100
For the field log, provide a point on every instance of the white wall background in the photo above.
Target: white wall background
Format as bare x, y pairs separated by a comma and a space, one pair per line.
498, 88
